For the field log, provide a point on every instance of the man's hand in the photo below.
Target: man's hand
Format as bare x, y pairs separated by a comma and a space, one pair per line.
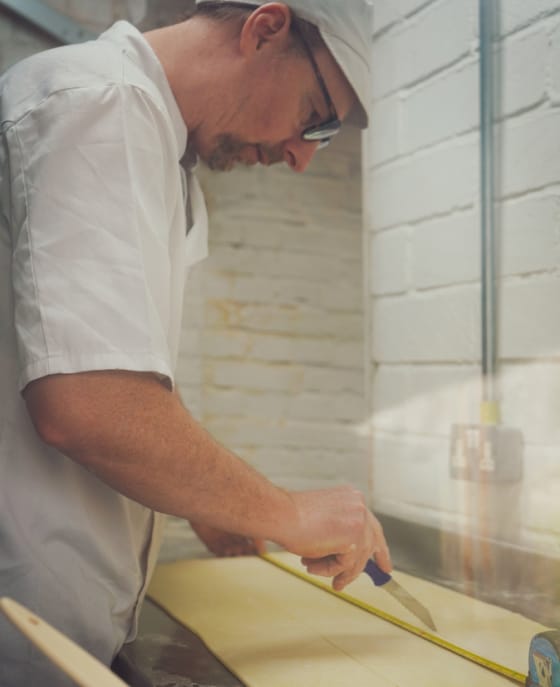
164, 459
337, 534
222, 543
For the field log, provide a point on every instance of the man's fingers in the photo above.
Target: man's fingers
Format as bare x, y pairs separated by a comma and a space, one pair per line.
344, 579
353, 565
356, 535
383, 560
329, 566
381, 551
343, 568
259, 546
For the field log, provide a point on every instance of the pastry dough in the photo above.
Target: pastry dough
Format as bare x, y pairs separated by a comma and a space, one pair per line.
274, 630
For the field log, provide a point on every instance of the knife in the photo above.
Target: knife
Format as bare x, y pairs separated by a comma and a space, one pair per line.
77, 663
383, 579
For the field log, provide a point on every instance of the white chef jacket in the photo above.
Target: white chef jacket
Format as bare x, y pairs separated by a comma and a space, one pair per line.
94, 251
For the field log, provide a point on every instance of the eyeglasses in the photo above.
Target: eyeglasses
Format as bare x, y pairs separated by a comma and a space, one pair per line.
326, 130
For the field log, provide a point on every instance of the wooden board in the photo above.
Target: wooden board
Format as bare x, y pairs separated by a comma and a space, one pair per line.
275, 630
81, 666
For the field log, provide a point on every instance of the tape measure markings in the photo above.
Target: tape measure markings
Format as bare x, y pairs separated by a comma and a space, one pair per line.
434, 639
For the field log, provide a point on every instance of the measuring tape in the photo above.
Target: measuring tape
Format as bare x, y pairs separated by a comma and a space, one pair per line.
544, 660
435, 639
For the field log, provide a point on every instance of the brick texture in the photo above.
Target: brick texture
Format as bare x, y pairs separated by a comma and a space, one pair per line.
422, 204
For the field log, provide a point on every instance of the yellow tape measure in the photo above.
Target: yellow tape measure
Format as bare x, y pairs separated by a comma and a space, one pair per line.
435, 639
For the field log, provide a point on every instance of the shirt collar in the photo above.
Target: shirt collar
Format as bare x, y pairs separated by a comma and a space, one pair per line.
138, 48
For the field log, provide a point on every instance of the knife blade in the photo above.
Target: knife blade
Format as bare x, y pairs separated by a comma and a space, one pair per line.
384, 580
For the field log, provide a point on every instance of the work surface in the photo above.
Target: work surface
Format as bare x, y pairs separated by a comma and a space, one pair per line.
167, 654
275, 630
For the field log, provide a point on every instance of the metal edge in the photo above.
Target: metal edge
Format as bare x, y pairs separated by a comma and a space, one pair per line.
50, 21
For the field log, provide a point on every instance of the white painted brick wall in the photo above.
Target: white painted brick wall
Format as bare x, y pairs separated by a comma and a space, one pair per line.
438, 180
387, 12
281, 343
455, 238
553, 65
425, 43
530, 234
385, 130
422, 208
523, 70
457, 88
529, 325
518, 14
424, 399
531, 152
245, 434
389, 261
419, 469
439, 327
531, 392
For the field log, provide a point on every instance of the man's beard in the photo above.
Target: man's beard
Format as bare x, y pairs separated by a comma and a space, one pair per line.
229, 150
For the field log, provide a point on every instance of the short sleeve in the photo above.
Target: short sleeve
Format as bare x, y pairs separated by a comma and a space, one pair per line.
94, 181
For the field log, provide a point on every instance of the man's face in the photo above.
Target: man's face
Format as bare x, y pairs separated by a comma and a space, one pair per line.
279, 100
230, 150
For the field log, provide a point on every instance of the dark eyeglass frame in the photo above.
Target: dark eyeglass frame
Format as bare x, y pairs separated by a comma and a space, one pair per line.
321, 133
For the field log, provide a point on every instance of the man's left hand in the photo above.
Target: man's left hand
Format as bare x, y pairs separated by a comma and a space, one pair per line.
223, 544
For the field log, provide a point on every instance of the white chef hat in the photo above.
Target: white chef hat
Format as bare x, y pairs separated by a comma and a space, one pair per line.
345, 26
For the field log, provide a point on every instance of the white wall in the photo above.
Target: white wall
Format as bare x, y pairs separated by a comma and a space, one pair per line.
283, 339
422, 219
273, 354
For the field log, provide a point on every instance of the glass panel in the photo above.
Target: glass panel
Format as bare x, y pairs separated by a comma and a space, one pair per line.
465, 408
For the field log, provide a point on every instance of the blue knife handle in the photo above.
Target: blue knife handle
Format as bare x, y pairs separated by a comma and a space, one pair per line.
377, 575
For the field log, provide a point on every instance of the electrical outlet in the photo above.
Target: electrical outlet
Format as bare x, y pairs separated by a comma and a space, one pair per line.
489, 453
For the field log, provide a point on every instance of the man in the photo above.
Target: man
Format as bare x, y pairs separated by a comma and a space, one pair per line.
95, 245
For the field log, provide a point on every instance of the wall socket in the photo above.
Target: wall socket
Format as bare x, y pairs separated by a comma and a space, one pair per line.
489, 453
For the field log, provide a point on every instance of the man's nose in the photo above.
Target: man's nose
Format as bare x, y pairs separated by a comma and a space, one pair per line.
299, 153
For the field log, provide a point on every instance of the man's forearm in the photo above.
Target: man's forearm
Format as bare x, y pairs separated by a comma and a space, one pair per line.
137, 437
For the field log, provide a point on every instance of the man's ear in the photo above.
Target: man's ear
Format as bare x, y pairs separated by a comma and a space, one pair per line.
269, 24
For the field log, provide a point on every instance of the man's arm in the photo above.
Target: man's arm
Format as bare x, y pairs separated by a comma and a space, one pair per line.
135, 435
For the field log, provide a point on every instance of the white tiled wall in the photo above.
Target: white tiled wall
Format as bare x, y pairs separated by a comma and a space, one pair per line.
422, 215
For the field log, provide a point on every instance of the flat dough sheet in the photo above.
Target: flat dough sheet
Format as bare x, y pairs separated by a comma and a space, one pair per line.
274, 630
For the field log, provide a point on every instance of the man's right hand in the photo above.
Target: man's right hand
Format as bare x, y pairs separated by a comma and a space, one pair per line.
336, 534
164, 459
